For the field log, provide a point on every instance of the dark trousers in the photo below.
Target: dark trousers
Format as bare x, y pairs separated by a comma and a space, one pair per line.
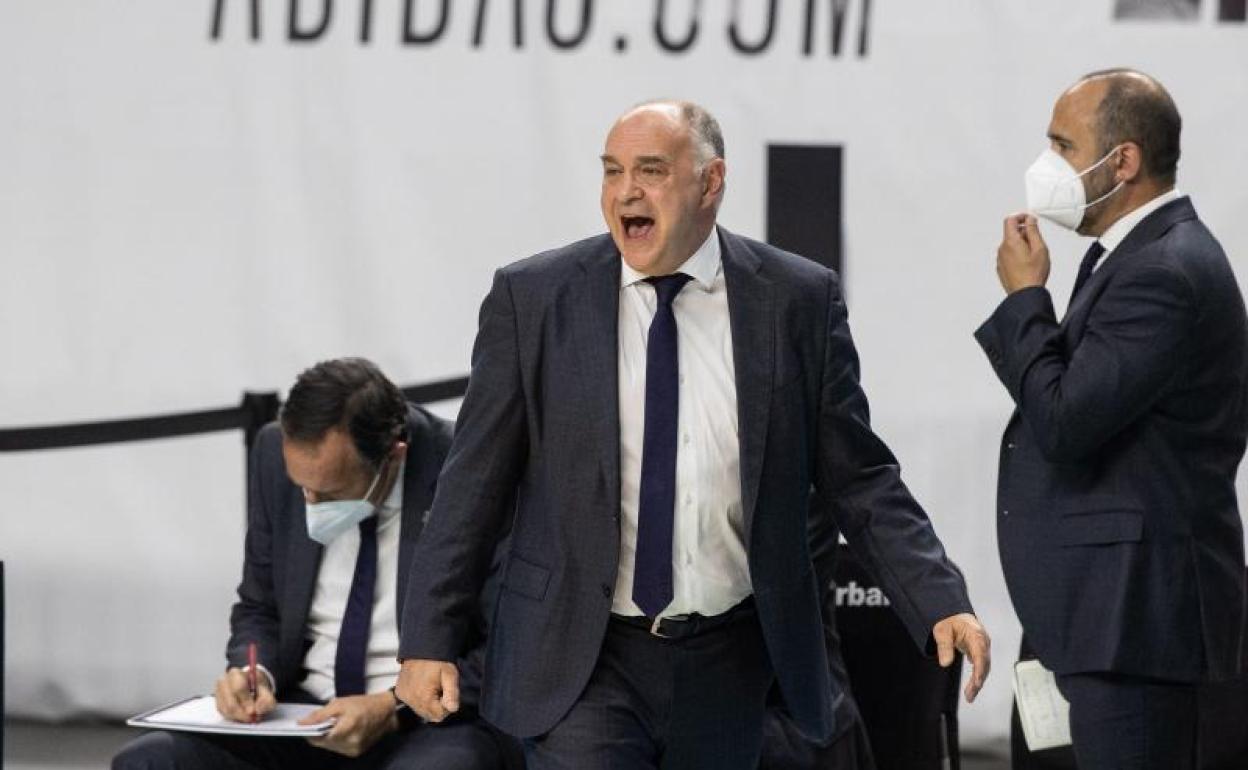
461, 746
784, 748
680, 704
1126, 723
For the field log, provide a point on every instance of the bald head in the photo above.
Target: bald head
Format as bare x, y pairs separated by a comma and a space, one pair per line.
1133, 107
662, 182
704, 132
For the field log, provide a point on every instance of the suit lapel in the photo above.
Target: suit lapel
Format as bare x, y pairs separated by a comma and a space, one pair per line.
1148, 230
752, 321
595, 301
304, 557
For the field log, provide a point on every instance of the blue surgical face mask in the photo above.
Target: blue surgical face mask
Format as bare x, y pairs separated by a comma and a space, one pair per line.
328, 520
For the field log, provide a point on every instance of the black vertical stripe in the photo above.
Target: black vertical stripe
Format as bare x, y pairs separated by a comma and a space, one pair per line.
1233, 10
804, 201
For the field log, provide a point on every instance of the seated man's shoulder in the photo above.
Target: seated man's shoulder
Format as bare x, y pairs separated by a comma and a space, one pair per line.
428, 428
268, 443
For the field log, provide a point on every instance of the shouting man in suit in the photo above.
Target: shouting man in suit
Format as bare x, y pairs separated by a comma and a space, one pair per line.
654, 406
1118, 524
336, 502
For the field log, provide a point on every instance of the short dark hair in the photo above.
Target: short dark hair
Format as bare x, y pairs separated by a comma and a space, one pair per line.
705, 129
348, 393
1137, 108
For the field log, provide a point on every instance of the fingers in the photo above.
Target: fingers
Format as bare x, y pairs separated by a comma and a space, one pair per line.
977, 647
1031, 232
1010, 227
964, 633
430, 687
266, 701
354, 730
233, 699
450, 688
943, 636
329, 710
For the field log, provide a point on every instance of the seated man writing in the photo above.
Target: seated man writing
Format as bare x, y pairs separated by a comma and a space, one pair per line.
338, 494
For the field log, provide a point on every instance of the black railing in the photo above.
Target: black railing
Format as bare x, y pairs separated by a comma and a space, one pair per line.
250, 416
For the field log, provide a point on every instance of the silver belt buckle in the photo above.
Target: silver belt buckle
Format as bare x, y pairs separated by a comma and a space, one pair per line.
654, 629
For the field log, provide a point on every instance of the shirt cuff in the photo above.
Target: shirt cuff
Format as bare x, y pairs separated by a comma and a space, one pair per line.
267, 675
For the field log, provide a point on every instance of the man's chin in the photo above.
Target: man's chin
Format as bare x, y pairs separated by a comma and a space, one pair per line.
643, 260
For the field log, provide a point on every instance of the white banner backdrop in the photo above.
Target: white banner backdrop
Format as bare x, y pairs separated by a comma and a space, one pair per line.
188, 209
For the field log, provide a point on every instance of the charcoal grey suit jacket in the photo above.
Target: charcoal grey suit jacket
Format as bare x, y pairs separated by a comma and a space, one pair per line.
1117, 520
538, 437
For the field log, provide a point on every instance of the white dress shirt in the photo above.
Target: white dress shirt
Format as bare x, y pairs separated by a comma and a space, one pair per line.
1118, 231
710, 572
329, 603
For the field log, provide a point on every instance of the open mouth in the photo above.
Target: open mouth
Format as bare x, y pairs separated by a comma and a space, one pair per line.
637, 227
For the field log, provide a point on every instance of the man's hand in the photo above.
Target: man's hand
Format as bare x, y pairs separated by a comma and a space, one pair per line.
1022, 257
964, 633
430, 687
234, 697
360, 721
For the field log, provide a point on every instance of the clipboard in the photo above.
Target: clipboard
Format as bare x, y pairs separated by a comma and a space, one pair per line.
198, 714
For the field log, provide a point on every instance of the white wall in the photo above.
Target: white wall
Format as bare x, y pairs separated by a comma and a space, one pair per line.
183, 218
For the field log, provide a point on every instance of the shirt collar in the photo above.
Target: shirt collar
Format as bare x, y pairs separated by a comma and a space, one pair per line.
703, 266
1118, 231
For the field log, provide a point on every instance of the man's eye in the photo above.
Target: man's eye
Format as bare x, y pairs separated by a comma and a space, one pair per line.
610, 172
652, 171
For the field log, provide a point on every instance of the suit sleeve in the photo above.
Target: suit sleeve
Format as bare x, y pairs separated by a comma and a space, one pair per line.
859, 477
254, 617
475, 492
1075, 402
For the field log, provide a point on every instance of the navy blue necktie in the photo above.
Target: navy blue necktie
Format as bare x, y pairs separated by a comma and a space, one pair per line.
652, 568
1093, 255
357, 621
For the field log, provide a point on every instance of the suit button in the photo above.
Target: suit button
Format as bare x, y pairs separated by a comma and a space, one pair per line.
1010, 445
1005, 513
606, 591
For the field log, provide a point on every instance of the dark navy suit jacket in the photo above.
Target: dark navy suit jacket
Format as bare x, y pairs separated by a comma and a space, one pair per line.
281, 562
538, 434
1117, 520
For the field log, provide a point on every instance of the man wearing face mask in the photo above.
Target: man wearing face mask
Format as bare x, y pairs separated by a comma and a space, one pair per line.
339, 491
1117, 519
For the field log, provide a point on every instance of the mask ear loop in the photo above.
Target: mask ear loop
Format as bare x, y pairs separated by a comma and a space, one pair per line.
372, 486
1117, 187
398, 434
1089, 169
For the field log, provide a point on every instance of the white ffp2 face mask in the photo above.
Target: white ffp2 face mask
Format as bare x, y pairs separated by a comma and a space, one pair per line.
328, 520
1055, 189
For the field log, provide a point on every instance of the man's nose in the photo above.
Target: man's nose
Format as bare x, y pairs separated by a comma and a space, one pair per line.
628, 190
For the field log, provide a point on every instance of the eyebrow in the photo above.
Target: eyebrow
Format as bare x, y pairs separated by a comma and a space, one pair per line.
640, 159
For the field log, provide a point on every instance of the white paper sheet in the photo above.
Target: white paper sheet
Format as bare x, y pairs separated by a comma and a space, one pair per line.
199, 714
1045, 714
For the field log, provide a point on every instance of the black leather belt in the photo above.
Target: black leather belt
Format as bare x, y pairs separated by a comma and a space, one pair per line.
686, 626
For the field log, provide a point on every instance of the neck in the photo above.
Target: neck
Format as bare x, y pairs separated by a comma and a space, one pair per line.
1119, 205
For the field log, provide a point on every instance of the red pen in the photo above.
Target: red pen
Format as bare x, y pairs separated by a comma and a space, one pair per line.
251, 679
